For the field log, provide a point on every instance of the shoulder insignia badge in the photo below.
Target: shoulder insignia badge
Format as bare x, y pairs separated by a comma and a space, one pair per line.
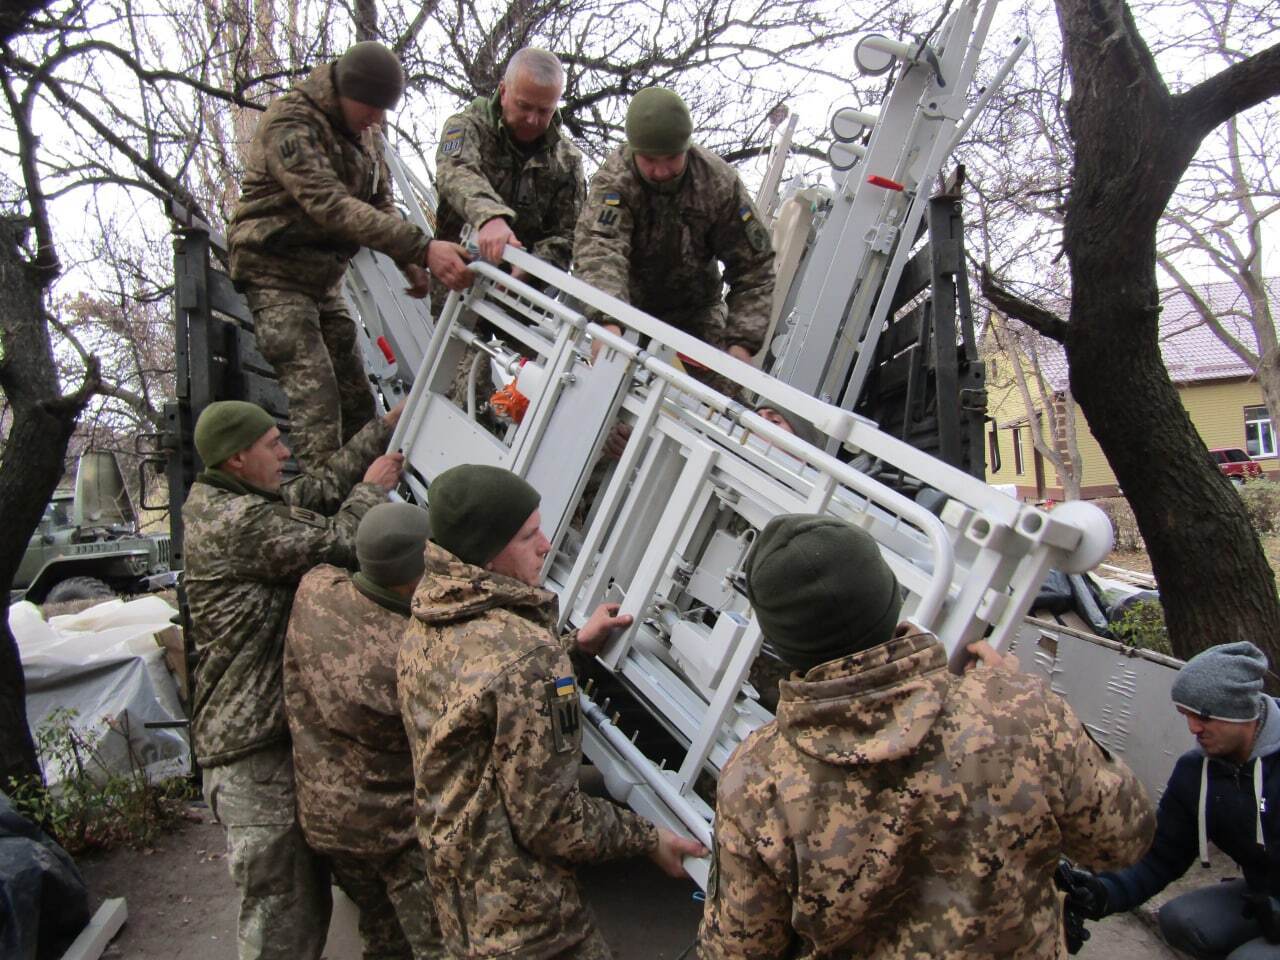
309, 517
562, 699
608, 217
451, 143
612, 199
744, 213
294, 149
757, 236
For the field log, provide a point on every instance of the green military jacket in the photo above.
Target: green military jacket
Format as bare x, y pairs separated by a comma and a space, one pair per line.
895, 810
482, 173
312, 195
661, 250
491, 708
350, 754
245, 552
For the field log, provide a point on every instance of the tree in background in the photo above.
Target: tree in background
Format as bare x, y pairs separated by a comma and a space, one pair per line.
1133, 139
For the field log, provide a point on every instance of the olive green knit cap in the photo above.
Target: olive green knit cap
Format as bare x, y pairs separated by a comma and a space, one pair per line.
228, 426
476, 509
658, 123
820, 589
390, 542
371, 74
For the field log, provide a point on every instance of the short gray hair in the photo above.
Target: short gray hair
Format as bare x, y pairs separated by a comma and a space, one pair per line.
542, 67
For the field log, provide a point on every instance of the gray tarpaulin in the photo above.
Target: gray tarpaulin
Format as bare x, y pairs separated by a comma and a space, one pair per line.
105, 664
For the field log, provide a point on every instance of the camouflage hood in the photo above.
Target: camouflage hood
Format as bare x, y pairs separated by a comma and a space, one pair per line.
452, 590
869, 707
319, 88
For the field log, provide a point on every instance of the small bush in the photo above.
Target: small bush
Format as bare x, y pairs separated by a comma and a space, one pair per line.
1142, 627
93, 807
1123, 523
1262, 503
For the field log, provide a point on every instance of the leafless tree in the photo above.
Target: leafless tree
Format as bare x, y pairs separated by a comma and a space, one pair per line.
1129, 153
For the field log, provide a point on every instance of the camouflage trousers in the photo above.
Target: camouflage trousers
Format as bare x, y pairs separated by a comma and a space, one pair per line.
284, 887
397, 917
312, 346
708, 324
592, 948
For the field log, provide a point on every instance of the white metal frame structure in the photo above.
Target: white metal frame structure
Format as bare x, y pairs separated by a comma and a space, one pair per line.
667, 534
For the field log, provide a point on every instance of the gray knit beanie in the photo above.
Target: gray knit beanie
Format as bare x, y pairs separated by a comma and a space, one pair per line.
820, 589
371, 74
476, 509
1223, 682
390, 542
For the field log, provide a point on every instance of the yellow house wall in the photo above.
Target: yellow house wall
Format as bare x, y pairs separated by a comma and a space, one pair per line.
1216, 409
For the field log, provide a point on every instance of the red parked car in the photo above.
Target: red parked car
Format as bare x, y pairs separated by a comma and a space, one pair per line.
1236, 465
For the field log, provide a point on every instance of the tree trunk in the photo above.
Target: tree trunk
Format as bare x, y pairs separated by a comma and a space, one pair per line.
1133, 143
32, 464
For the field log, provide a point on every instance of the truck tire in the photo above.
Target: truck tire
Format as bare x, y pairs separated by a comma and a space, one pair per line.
78, 588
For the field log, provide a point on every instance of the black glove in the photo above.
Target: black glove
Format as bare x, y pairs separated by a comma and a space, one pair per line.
1266, 910
1085, 892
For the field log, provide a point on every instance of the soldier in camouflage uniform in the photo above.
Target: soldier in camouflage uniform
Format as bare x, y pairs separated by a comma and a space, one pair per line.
893, 809
316, 188
350, 754
249, 538
505, 167
662, 214
490, 703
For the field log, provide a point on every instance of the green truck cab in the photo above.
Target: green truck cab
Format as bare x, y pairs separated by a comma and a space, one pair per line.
88, 545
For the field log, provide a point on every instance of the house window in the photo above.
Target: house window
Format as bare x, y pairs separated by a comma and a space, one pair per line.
1259, 438
1018, 466
993, 448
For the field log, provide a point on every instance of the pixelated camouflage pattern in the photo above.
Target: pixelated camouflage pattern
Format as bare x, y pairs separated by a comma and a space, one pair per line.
312, 346
283, 886
481, 173
245, 552
312, 195
397, 918
350, 752
662, 251
895, 810
500, 815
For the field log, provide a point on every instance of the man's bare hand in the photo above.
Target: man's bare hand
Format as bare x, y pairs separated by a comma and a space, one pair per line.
419, 281
493, 236
739, 353
385, 471
987, 655
672, 849
603, 621
616, 442
392, 416
448, 261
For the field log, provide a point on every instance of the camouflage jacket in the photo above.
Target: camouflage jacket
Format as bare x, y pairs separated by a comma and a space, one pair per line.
491, 708
482, 173
895, 810
350, 753
312, 195
661, 251
245, 552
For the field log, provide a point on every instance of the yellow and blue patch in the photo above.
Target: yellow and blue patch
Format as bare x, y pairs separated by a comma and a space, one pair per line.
612, 199
562, 704
744, 213
451, 143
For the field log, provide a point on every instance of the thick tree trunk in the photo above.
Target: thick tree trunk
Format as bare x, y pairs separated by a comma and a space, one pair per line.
1133, 141
31, 464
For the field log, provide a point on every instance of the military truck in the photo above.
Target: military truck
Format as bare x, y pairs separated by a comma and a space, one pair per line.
88, 545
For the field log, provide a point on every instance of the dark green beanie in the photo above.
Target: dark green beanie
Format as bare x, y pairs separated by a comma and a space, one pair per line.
227, 427
476, 509
820, 589
371, 74
658, 123
390, 542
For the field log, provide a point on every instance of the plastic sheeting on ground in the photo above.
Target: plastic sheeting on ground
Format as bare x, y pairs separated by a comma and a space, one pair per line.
43, 900
106, 665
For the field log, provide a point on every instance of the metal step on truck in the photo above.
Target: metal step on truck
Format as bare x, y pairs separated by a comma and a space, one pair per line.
873, 345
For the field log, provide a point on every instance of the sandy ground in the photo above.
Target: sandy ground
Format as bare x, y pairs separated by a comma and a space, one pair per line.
182, 906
